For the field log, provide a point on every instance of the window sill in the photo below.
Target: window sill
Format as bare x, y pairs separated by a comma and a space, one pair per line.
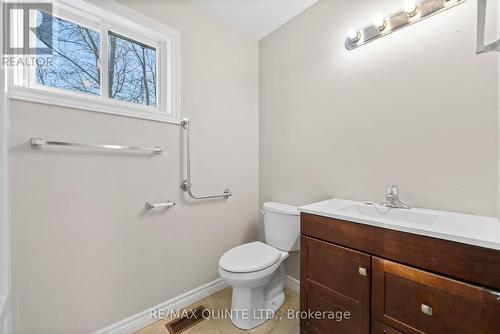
76, 101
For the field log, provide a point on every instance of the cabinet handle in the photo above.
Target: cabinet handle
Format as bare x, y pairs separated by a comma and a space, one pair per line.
363, 271
426, 309
496, 294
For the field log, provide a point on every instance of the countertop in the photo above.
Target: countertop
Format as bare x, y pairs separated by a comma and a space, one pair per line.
464, 228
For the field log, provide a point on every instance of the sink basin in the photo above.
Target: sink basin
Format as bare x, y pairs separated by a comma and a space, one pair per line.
388, 214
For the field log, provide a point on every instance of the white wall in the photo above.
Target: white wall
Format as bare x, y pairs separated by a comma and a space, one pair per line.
498, 104
85, 254
4, 202
417, 108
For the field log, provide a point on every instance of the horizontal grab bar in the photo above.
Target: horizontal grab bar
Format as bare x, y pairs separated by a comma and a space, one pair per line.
37, 143
186, 184
151, 206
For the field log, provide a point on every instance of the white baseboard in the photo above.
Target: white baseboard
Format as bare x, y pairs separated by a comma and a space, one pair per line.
143, 319
293, 284
5, 325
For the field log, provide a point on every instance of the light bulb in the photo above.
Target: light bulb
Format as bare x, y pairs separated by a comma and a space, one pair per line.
353, 35
379, 22
410, 7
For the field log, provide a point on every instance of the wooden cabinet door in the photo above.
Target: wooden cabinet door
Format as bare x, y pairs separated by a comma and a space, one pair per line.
337, 280
416, 302
380, 328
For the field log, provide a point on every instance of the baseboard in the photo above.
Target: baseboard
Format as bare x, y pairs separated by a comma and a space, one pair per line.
143, 319
5, 325
293, 284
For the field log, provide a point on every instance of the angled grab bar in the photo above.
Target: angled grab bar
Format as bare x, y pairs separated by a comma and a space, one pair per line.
186, 184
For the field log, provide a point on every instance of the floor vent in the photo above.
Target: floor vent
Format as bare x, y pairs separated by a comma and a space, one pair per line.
187, 321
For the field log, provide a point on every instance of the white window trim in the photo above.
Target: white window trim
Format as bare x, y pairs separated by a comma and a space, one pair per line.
110, 15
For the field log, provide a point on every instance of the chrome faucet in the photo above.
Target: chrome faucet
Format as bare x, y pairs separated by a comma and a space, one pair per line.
392, 198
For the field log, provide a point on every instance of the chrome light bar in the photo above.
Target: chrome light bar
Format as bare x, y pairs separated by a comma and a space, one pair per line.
413, 12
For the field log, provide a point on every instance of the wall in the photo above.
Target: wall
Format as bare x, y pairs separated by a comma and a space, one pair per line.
85, 254
497, 36
416, 108
4, 202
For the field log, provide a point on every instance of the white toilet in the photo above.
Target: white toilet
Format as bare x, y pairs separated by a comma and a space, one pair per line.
256, 270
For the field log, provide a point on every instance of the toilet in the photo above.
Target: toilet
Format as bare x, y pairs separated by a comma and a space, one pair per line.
256, 270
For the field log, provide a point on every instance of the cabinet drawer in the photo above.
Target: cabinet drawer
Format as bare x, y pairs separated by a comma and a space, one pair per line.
340, 269
321, 302
335, 279
380, 328
414, 301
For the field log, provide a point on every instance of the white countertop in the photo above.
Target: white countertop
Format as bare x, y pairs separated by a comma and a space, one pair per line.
464, 228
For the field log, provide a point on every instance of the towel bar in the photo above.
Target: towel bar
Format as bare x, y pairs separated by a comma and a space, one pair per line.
37, 143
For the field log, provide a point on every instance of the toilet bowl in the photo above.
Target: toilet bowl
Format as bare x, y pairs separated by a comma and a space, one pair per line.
256, 270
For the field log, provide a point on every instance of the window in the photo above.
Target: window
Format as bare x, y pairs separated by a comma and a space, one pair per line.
101, 61
132, 71
76, 53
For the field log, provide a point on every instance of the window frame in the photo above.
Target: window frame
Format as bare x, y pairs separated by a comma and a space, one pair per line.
104, 18
159, 53
29, 77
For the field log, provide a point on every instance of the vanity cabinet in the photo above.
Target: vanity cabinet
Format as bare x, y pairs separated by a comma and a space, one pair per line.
393, 282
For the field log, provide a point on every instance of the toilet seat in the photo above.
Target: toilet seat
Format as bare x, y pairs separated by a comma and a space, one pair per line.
251, 257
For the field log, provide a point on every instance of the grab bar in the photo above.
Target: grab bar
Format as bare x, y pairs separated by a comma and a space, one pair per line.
37, 143
167, 204
186, 184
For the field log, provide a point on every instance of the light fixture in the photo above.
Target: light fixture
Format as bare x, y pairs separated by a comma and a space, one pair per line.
353, 35
380, 22
413, 11
410, 7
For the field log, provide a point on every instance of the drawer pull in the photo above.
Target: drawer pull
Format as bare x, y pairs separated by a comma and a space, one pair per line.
363, 271
426, 309
496, 294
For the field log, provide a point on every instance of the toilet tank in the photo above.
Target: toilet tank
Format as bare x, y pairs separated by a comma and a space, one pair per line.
282, 226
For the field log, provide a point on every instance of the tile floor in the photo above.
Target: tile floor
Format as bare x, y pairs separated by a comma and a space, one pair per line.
280, 324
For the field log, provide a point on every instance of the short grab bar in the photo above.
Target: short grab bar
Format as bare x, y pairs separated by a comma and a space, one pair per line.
186, 184
167, 204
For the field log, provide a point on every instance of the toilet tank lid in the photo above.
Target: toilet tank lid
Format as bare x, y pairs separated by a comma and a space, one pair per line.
281, 208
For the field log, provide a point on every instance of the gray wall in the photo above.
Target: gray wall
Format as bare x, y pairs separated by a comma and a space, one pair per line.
84, 252
416, 108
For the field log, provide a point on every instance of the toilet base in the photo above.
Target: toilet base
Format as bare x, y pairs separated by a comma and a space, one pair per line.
251, 318
276, 303
252, 307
